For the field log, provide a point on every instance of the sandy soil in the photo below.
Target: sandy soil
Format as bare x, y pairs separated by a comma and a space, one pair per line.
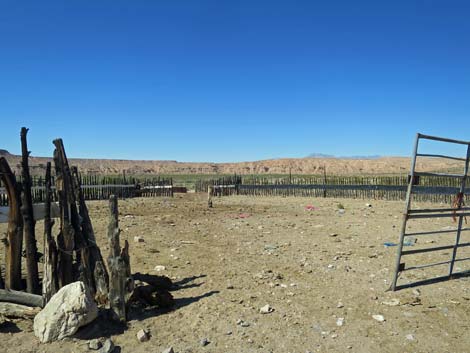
316, 268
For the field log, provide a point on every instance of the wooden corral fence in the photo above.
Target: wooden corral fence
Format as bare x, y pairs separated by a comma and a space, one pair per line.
71, 255
96, 187
432, 189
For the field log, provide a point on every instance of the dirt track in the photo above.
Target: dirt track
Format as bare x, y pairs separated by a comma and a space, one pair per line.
312, 267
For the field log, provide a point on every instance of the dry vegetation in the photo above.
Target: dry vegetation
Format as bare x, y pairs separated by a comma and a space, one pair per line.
316, 269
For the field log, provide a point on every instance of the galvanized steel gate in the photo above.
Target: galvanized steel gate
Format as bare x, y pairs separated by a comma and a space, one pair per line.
459, 212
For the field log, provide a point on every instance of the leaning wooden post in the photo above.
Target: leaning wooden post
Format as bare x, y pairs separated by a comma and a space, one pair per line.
91, 255
117, 265
66, 237
32, 277
14, 236
50, 283
209, 196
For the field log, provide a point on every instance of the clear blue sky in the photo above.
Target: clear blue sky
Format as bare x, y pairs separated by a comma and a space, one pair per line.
232, 80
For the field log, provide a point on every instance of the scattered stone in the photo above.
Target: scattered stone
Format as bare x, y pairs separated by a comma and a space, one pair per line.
159, 268
368, 205
168, 350
266, 309
243, 323
392, 302
270, 247
139, 239
230, 286
416, 292
340, 321
108, 346
333, 234
228, 333
410, 337
94, 344
340, 305
143, 335
334, 335
379, 318
70, 308
341, 211
204, 342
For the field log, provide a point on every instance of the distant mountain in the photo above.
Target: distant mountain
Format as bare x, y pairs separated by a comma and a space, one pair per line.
4, 153
321, 155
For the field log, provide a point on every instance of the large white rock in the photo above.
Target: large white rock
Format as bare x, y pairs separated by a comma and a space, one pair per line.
70, 308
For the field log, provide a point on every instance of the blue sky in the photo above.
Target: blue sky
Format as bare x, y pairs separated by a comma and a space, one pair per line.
232, 80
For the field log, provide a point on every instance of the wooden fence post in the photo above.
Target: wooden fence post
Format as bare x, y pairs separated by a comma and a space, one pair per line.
32, 277
91, 255
120, 283
50, 283
14, 236
66, 237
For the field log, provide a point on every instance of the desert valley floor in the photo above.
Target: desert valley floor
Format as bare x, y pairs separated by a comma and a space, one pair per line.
324, 272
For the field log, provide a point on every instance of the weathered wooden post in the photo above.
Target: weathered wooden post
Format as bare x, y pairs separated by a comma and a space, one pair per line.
210, 191
91, 255
120, 282
32, 277
66, 237
14, 236
50, 283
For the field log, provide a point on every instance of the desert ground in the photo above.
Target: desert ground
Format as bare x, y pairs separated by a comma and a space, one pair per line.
324, 272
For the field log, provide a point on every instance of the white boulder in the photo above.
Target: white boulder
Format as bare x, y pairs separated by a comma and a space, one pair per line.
70, 308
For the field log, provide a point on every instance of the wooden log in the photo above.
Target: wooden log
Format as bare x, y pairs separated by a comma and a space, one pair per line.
50, 283
18, 310
13, 296
14, 236
98, 278
66, 237
117, 266
32, 273
38, 211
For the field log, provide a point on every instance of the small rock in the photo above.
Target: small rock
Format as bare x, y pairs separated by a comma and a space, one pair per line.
143, 335
204, 342
159, 268
138, 239
340, 305
410, 337
379, 318
228, 333
392, 302
108, 346
266, 309
168, 350
333, 234
341, 211
368, 205
230, 286
340, 321
416, 292
94, 344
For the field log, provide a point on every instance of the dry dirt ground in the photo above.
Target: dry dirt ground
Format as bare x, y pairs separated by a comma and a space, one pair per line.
316, 268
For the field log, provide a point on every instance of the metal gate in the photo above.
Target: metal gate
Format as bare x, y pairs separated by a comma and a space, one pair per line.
458, 212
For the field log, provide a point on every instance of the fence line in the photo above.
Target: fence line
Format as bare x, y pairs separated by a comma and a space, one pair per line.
101, 188
432, 189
